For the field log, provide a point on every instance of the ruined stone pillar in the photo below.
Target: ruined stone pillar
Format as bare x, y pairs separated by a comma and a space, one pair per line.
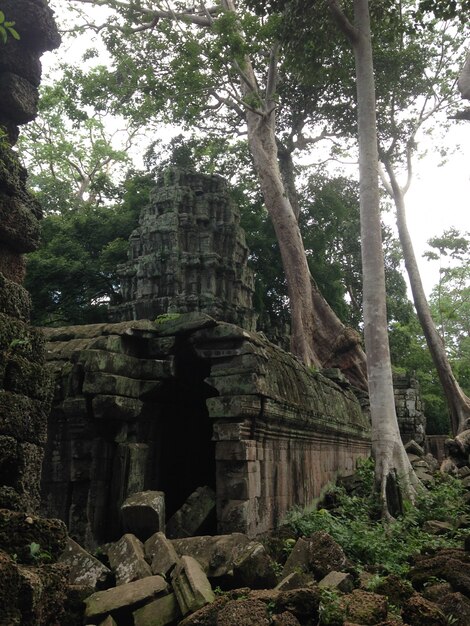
188, 254
24, 384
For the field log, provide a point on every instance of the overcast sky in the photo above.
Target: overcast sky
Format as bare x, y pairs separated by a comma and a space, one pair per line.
438, 199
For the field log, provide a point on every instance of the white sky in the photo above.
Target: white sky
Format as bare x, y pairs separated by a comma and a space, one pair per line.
438, 199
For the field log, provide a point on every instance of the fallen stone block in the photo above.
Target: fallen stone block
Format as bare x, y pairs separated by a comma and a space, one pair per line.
127, 560
318, 554
193, 515
414, 448
143, 513
365, 607
191, 586
338, 580
161, 553
437, 527
84, 569
42, 593
136, 593
249, 612
160, 612
421, 612
215, 554
254, 568
294, 580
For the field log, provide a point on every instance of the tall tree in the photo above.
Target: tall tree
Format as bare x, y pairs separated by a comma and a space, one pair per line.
74, 159
223, 64
398, 144
391, 460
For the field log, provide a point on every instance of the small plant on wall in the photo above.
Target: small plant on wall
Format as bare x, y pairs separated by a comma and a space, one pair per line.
6, 29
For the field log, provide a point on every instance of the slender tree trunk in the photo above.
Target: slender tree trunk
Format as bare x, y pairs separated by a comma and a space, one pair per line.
457, 401
263, 147
391, 460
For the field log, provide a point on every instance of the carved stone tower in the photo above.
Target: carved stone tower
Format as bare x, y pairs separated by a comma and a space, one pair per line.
188, 254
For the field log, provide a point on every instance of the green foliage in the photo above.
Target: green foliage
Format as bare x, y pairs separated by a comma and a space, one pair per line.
167, 317
38, 555
72, 278
354, 523
330, 611
6, 29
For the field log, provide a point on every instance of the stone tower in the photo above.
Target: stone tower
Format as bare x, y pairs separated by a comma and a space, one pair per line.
188, 254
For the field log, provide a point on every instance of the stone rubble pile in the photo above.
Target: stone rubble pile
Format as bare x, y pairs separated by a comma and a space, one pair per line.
178, 586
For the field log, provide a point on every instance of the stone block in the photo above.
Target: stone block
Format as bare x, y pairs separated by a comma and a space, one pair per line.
84, 569
236, 451
143, 513
116, 408
215, 554
192, 516
191, 586
161, 553
137, 592
125, 365
160, 612
22, 418
35, 22
338, 580
19, 227
126, 558
14, 299
254, 568
19, 530
318, 555
99, 383
240, 407
19, 98
42, 593
9, 590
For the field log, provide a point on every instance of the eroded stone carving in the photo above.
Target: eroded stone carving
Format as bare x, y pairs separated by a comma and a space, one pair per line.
410, 409
188, 254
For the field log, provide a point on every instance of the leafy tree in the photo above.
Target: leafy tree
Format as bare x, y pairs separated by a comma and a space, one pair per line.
222, 67
390, 456
398, 144
72, 278
73, 158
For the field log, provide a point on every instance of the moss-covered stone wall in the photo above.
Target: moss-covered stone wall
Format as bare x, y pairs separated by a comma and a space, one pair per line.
187, 403
24, 384
32, 593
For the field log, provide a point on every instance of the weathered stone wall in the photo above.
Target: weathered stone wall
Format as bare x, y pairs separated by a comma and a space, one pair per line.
30, 595
410, 409
24, 386
185, 403
188, 254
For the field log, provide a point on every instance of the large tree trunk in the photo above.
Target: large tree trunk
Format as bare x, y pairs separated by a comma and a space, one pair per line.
457, 401
263, 147
318, 337
391, 459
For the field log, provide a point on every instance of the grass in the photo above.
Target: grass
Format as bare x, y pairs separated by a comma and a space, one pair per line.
386, 547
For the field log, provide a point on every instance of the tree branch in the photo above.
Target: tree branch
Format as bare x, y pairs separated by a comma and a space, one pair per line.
186, 15
342, 21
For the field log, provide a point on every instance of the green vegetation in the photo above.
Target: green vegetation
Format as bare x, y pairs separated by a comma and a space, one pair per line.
385, 547
167, 317
6, 29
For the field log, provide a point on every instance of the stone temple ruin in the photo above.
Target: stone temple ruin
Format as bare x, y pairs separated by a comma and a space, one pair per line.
188, 254
194, 402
